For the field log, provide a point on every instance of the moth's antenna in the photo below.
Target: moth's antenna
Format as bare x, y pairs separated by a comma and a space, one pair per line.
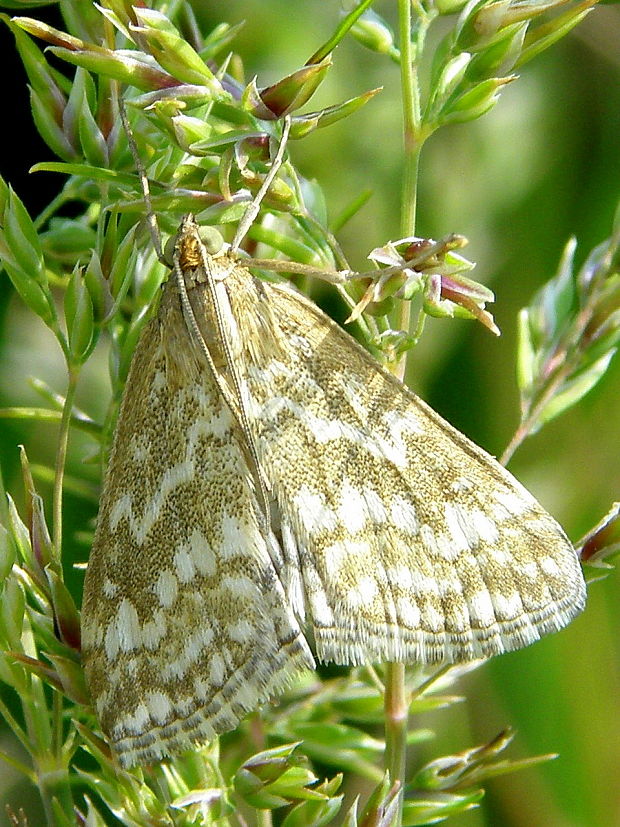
252, 211
144, 183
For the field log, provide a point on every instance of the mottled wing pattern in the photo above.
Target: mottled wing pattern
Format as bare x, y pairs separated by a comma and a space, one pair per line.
403, 540
379, 532
186, 626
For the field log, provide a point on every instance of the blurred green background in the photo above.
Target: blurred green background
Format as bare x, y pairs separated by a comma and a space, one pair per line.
540, 167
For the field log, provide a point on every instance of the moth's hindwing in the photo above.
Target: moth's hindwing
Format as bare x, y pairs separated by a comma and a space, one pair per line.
390, 537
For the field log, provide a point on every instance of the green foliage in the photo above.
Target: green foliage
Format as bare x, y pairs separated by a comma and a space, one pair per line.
569, 334
206, 136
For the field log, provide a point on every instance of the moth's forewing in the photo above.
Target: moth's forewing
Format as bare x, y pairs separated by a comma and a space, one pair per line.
186, 626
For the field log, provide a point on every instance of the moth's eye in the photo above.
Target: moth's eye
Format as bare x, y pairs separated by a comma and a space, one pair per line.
169, 251
212, 240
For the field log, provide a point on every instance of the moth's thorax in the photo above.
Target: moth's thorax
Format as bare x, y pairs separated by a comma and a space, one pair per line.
176, 332
193, 257
189, 247
219, 268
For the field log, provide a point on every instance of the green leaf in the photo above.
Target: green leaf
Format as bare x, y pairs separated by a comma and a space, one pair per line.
431, 808
346, 23
8, 553
89, 172
373, 32
475, 102
19, 532
172, 51
316, 813
545, 35
302, 125
22, 239
79, 318
49, 129
31, 293
121, 67
526, 355
575, 389
12, 608
67, 239
552, 307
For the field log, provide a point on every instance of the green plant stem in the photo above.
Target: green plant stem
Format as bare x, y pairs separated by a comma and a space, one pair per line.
54, 785
50, 767
410, 94
529, 424
61, 456
263, 818
395, 701
396, 719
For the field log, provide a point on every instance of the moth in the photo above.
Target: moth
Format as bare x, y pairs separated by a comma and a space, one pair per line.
275, 497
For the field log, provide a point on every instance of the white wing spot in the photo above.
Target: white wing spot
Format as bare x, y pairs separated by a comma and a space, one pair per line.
185, 568
202, 688
137, 722
242, 587
508, 607
197, 643
327, 430
341, 551
302, 344
352, 511
320, 608
408, 613
375, 506
400, 577
111, 641
193, 650
217, 424
159, 706
154, 630
429, 540
185, 706
459, 525
128, 626
314, 514
110, 589
529, 570
399, 422
237, 539
217, 670
549, 566
363, 593
166, 588
139, 448
515, 502
481, 608
433, 619
469, 528
485, 526
173, 477
461, 485
242, 631
158, 381
404, 517
202, 554
423, 583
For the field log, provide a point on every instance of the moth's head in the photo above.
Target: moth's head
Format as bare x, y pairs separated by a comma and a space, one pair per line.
185, 246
